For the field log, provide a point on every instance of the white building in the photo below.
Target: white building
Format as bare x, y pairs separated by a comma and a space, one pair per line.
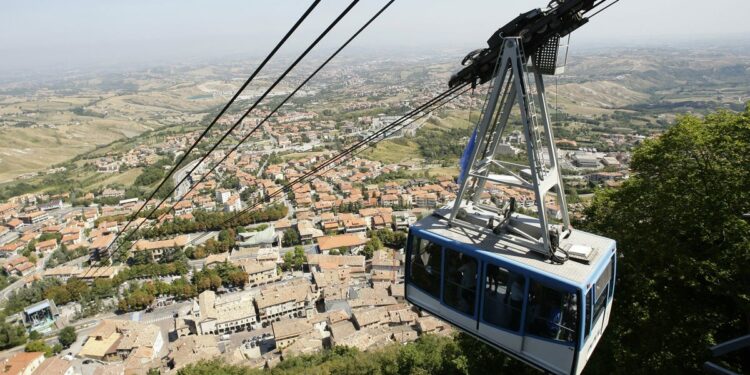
232, 312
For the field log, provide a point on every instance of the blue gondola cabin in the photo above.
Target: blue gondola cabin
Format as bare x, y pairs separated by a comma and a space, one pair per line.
548, 315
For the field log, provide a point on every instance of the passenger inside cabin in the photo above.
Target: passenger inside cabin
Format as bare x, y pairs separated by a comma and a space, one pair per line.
514, 299
551, 314
468, 276
503, 298
425, 267
460, 281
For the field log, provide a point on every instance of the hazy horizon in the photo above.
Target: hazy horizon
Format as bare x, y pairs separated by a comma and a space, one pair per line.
80, 34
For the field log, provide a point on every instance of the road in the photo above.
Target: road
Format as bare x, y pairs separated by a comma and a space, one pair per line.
160, 314
198, 238
180, 174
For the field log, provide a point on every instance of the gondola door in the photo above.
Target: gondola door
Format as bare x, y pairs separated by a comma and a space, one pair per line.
502, 299
551, 326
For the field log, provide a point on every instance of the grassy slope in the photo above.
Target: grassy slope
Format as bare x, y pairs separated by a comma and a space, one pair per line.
394, 151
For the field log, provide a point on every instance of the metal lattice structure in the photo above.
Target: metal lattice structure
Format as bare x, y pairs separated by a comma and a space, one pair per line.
515, 85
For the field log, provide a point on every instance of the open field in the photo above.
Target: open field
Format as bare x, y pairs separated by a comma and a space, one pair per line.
392, 152
51, 125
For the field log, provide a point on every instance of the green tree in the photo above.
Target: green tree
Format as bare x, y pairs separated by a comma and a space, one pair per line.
294, 260
40, 346
684, 272
291, 237
11, 334
371, 246
150, 175
67, 336
165, 189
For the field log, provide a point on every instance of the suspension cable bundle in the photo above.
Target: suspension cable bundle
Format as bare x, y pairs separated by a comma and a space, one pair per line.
354, 150
239, 121
369, 141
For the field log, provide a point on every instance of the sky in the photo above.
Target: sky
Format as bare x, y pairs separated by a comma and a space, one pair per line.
87, 33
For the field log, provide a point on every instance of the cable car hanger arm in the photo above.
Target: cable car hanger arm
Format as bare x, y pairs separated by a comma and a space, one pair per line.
536, 28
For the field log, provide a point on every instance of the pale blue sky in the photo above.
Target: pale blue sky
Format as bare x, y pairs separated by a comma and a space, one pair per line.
74, 33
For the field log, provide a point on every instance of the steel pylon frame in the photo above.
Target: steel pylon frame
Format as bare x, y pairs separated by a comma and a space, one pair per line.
510, 86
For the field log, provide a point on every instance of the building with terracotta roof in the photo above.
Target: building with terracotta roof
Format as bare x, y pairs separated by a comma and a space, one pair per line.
47, 246
430, 324
71, 239
55, 366
385, 260
307, 230
34, 217
389, 200
355, 225
285, 332
183, 207
368, 338
11, 249
191, 349
157, 249
323, 262
423, 199
15, 223
19, 265
62, 273
7, 211
22, 363
259, 272
370, 317
382, 221
100, 247
330, 277
350, 242
116, 340
293, 300
92, 273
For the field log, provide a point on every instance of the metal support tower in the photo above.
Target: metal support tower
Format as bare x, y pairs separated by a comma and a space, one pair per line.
511, 85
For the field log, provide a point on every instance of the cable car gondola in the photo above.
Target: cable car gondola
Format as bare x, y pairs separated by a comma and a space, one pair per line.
540, 291
546, 314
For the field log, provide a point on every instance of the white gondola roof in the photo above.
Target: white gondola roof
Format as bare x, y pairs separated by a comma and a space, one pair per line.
494, 245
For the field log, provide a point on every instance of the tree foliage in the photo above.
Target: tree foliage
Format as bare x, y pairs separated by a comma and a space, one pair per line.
293, 260
63, 255
11, 334
140, 296
67, 336
291, 237
208, 221
150, 175
371, 247
390, 238
41, 346
428, 355
684, 274
224, 274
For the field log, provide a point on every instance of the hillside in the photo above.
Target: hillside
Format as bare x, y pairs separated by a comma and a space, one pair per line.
44, 123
